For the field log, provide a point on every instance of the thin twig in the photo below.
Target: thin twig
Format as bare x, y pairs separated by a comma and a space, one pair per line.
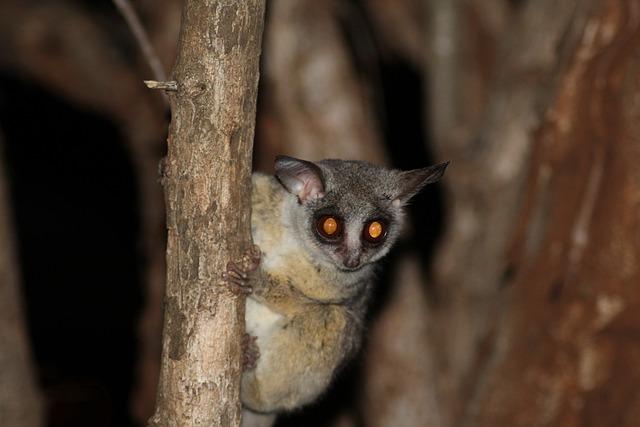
139, 33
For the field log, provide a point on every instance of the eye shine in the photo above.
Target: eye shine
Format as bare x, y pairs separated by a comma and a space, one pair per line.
329, 227
321, 229
374, 231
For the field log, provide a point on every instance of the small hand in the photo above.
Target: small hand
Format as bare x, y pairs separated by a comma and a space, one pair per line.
237, 275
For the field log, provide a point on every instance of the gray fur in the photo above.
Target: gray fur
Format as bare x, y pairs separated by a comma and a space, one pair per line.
307, 307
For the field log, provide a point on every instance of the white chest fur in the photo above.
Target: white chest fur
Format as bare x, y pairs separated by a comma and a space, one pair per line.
261, 321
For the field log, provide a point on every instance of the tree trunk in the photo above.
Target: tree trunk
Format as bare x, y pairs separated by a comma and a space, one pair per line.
490, 147
399, 380
20, 401
309, 76
208, 172
567, 346
515, 342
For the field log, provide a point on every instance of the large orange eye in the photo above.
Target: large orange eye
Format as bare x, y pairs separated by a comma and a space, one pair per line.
374, 231
329, 226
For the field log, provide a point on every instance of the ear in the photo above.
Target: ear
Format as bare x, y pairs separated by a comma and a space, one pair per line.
300, 177
411, 182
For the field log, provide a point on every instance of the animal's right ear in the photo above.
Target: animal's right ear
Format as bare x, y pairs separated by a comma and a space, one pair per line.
300, 177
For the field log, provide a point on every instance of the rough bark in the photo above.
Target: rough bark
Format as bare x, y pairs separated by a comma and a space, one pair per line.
208, 171
20, 400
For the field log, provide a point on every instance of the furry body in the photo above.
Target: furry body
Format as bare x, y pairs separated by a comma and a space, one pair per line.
305, 327
321, 227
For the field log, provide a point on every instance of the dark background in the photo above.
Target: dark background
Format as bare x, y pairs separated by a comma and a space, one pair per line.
525, 312
75, 208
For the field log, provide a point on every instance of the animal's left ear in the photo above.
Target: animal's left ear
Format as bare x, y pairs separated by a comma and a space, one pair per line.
411, 182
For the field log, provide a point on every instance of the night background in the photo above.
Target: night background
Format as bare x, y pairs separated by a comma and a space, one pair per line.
512, 299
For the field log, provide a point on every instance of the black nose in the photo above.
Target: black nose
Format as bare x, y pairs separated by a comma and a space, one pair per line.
352, 262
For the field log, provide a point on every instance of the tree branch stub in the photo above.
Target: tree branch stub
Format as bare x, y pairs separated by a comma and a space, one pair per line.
170, 86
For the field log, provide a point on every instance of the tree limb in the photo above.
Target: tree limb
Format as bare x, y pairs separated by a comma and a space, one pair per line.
208, 210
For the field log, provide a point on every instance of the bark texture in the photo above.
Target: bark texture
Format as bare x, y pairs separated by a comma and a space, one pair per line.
20, 400
208, 171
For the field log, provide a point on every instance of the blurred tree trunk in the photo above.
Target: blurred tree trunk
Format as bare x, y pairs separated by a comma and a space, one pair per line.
20, 400
527, 336
540, 89
486, 128
208, 177
399, 373
315, 105
568, 342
